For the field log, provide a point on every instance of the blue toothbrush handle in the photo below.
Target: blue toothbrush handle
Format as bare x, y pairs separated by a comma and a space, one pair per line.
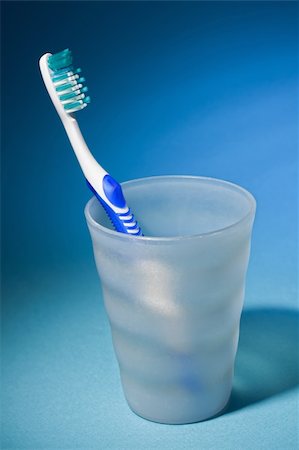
123, 222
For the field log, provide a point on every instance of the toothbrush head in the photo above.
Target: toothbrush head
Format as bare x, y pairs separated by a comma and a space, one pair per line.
67, 81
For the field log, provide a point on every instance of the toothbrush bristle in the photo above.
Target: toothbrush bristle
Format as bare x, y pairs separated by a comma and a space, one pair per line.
68, 82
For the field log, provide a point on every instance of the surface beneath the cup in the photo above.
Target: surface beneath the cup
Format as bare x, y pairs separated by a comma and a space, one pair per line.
182, 206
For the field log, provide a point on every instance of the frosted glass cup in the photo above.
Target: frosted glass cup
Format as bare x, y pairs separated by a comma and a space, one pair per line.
174, 297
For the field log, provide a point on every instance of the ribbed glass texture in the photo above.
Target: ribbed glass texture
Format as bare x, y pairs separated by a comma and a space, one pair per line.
174, 297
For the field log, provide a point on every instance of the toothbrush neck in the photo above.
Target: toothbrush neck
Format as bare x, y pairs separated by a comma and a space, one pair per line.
86, 160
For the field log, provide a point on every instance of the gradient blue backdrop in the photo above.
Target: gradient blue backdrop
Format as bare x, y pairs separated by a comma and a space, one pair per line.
201, 88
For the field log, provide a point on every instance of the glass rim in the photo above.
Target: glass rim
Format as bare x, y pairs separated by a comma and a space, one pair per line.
124, 236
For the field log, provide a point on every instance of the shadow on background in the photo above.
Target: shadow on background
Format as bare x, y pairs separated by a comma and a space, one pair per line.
267, 359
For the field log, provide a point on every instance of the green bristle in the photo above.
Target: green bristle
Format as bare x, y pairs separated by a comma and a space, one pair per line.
60, 77
68, 91
72, 94
63, 87
76, 104
72, 105
60, 60
67, 96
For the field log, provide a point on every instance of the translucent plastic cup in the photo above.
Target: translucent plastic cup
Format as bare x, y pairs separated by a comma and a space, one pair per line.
174, 297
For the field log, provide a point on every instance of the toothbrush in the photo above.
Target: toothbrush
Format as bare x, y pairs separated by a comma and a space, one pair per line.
65, 87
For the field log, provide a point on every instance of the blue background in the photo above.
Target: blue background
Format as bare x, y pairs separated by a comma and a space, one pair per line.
200, 88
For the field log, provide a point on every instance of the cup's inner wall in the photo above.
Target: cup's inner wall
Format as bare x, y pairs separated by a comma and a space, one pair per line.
181, 206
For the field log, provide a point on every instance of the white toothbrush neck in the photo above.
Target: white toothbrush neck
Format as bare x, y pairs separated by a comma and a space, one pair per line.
89, 165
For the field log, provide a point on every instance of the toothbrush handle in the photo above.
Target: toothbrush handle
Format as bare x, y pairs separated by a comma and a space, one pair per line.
107, 190
123, 221
104, 187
